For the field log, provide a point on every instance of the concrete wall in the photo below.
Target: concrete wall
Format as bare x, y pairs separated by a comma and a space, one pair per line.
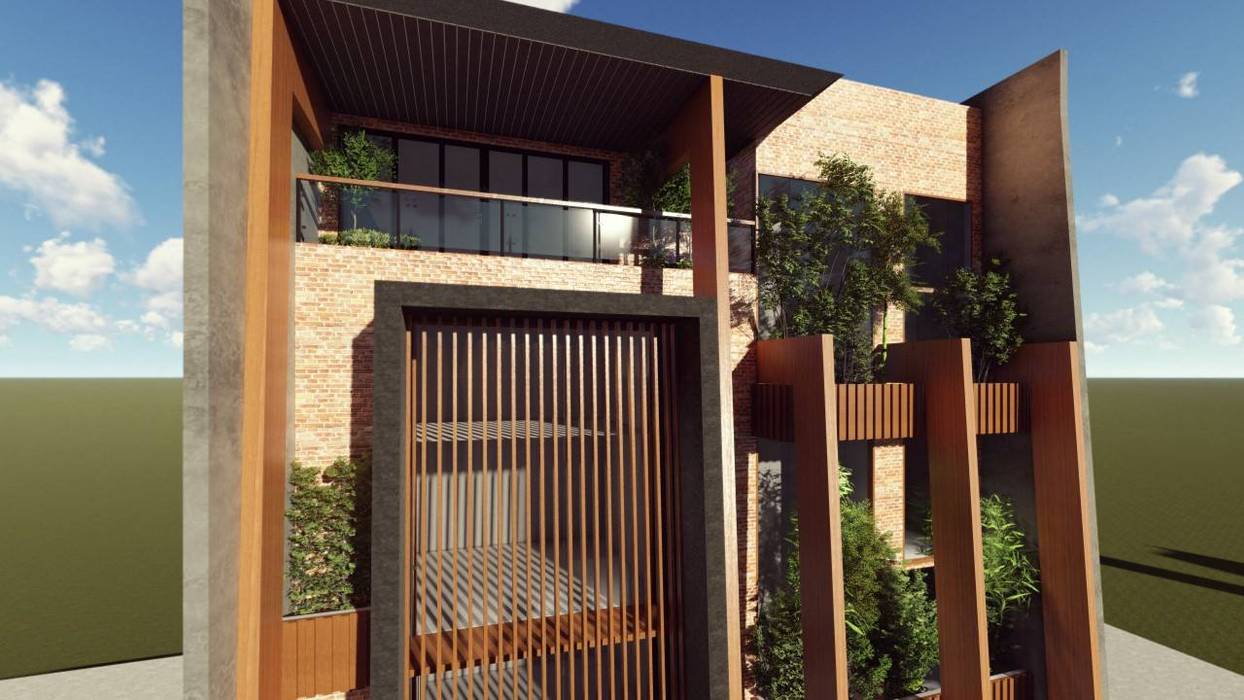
1029, 218
216, 80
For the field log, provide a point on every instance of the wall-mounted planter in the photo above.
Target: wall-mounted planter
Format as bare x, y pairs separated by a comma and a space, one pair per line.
999, 408
865, 411
324, 653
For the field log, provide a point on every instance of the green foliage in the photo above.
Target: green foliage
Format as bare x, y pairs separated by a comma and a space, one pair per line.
1011, 575
368, 238
644, 185
891, 623
982, 306
329, 515
357, 158
832, 259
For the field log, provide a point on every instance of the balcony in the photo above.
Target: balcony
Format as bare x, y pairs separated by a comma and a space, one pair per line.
417, 217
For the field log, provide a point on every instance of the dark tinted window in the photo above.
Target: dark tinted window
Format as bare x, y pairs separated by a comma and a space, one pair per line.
505, 172
585, 182
952, 221
419, 162
772, 186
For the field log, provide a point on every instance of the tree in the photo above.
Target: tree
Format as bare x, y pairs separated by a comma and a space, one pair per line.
891, 623
358, 158
982, 306
828, 261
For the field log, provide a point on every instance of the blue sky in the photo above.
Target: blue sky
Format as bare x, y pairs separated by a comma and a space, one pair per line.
88, 228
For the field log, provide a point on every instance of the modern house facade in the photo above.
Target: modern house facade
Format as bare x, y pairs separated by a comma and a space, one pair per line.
566, 402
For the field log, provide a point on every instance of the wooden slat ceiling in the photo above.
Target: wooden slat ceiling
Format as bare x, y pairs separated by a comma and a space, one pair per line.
404, 66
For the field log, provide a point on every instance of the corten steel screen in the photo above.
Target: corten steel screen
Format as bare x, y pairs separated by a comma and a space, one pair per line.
544, 508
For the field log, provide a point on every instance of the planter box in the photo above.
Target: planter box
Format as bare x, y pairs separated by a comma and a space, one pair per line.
324, 653
998, 408
865, 411
1003, 686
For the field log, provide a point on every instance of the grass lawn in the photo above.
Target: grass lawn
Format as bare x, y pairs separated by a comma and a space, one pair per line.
1169, 465
90, 522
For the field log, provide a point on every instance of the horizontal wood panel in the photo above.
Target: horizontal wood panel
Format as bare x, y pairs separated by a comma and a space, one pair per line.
324, 654
865, 411
999, 408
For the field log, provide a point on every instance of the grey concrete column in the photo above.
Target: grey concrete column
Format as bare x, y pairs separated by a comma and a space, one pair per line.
216, 89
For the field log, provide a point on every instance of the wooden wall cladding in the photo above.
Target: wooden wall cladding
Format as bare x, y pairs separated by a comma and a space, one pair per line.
865, 411
999, 408
323, 654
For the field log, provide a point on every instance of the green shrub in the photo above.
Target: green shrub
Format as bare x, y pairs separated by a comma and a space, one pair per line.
891, 623
832, 259
1011, 576
982, 306
357, 158
329, 515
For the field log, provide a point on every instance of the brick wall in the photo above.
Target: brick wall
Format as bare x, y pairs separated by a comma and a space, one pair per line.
887, 489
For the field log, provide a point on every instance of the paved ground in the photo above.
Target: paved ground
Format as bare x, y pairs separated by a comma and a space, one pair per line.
157, 679
1136, 668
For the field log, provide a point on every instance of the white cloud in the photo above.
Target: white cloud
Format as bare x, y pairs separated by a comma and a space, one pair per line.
1092, 347
175, 339
1218, 323
1123, 326
76, 268
161, 275
554, 5
1144, 283
1187, 87
1118, 141
1170, 216
1108, 200
39, 160
52, 314
1169, 303
89, 342
4, 340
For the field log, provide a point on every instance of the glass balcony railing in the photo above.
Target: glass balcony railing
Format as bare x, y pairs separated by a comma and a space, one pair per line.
391, 215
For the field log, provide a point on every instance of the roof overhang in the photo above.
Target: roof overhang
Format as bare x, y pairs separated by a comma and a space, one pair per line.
511, 70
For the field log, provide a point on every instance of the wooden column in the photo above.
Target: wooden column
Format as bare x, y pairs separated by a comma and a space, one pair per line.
1050, 373
942, 371
698, 136
280, 95
807, 365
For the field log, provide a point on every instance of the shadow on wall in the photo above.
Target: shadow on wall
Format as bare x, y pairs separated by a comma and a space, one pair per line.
362, 353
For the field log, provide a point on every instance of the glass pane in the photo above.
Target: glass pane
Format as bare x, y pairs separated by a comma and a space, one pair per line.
586, 182
418, 163
505, 172
308, 213
545, 226
463, 224
617, 237
739, 238
580, 236
952, 221
462, 168
368, 208
421, 218
513, 233
544, 177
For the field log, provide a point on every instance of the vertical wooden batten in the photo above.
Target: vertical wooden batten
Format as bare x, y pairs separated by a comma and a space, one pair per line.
807, 365
698, 136
1050, 373
942, 370
280, 97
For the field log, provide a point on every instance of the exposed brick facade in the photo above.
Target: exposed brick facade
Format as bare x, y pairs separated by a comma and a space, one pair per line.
915, 145
887, 489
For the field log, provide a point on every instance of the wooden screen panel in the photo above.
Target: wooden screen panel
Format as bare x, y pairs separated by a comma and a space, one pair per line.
865, 411
998, 408
323, 654
544, 508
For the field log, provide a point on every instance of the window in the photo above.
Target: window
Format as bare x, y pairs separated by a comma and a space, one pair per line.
952, 222
772, 186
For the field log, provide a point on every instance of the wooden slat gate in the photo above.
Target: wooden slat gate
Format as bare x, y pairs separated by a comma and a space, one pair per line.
544, 509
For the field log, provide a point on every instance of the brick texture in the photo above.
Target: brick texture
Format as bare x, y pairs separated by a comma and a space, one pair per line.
887, 490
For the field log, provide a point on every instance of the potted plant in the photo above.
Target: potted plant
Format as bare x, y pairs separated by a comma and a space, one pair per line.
357, 158
983, 307
834, 261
